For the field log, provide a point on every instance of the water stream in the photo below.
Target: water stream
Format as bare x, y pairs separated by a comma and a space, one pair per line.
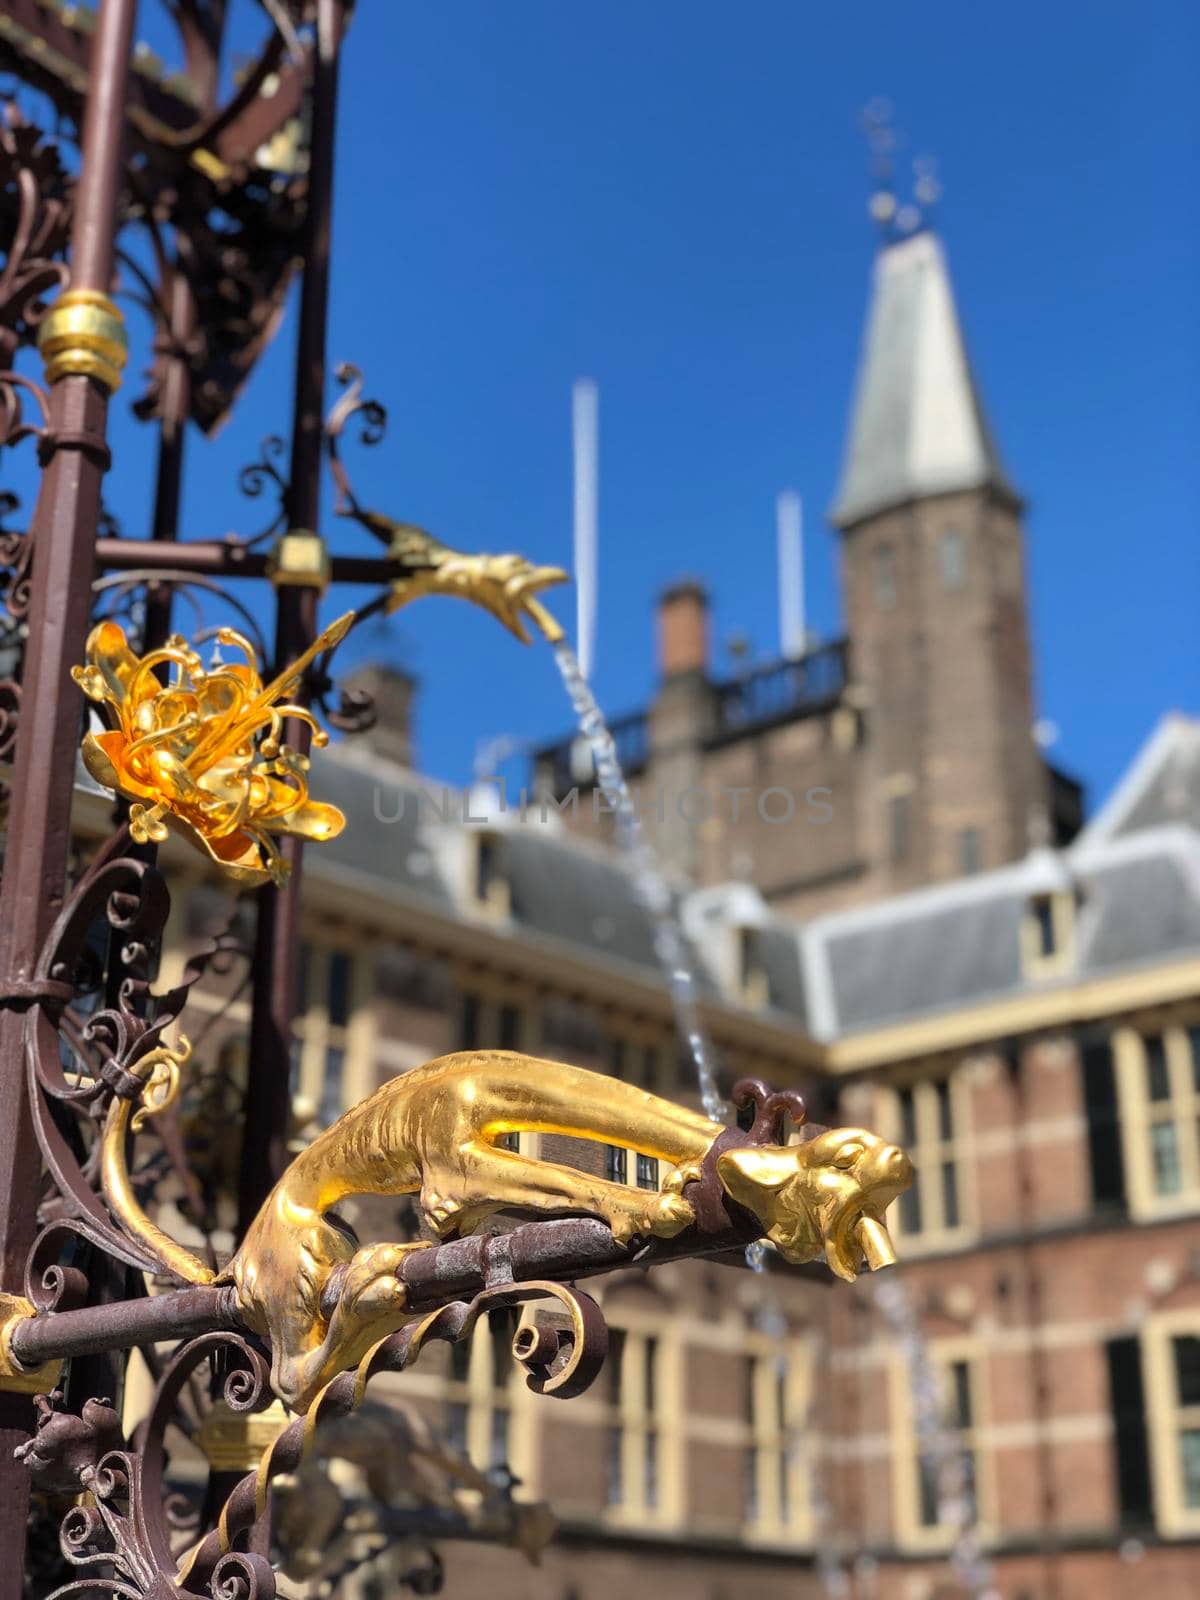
936, 1443
649, 882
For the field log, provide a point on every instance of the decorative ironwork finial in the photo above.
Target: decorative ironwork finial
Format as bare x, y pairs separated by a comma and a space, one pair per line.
896, 218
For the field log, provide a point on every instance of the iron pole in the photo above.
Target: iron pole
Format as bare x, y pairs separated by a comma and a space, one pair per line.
277, 937
168, 482
63, 530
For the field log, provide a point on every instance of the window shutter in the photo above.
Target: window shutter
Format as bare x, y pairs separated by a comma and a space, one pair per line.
1104, 1132
1128, 1401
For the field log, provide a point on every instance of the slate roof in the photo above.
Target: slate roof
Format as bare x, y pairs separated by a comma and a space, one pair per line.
1148, 902
782, 960
1135, 877
957, 944
1162, 785
409, 832
917, 423
576, 895
390, 812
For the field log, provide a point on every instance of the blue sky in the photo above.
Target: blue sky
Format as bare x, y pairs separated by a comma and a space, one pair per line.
670, 198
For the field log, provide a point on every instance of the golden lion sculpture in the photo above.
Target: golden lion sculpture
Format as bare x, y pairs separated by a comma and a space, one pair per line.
322, 1300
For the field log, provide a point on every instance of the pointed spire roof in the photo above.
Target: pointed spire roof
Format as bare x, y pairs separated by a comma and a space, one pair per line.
918, 426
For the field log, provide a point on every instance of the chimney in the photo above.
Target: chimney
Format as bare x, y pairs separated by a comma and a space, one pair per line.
392, 693
683, 629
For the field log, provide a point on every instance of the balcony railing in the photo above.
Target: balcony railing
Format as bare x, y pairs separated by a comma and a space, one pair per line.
784, 691
780, 692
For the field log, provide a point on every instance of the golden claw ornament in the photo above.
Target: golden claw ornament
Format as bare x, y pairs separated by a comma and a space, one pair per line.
303, 1281
201, 755
507, 585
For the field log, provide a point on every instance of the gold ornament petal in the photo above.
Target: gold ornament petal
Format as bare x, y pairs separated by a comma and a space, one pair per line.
314, 820
98, 760
104, 757
237, 855
111, 660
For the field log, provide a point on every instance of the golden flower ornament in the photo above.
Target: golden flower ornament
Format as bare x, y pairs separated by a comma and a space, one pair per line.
201, 754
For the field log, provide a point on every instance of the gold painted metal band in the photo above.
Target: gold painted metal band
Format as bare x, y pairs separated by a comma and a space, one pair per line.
235, 1441
15, 1378
83, 334
300, 559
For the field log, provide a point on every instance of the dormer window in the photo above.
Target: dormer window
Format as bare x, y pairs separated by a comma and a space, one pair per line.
1041, 910
491, 892
1048, 934
753, 982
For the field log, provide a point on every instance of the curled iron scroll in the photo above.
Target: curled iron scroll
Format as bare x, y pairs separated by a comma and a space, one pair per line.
562, 1362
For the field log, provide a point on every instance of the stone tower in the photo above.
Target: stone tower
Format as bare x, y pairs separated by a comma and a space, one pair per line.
934, 593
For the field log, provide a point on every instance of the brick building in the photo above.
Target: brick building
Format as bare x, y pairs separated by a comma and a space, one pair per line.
948, 957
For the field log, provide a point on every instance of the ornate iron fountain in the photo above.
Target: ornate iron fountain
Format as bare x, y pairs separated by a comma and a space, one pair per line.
228, 194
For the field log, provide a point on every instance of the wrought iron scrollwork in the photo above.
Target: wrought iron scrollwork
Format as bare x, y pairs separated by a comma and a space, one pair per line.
562, 1360
35, 213
119, 596
82, 1055
124, 1538
371, 418
264, 476
10, 712
35, 216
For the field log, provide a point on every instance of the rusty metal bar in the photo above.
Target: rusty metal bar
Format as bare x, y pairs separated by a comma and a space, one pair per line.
277, 938
64, 529
179, 1314
225, 558
564, 1249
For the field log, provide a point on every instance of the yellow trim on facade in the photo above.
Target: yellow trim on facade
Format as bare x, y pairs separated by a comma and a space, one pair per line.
1139, 1114
911, 1532
318, 1035
649, 1416
780, 1442
1022, 1013
1166, 1419
929, 1152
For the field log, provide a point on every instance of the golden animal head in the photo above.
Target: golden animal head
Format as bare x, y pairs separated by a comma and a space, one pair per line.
829, 1194
201, 754
507, 586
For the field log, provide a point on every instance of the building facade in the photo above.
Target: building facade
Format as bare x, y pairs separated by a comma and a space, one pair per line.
930, 945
